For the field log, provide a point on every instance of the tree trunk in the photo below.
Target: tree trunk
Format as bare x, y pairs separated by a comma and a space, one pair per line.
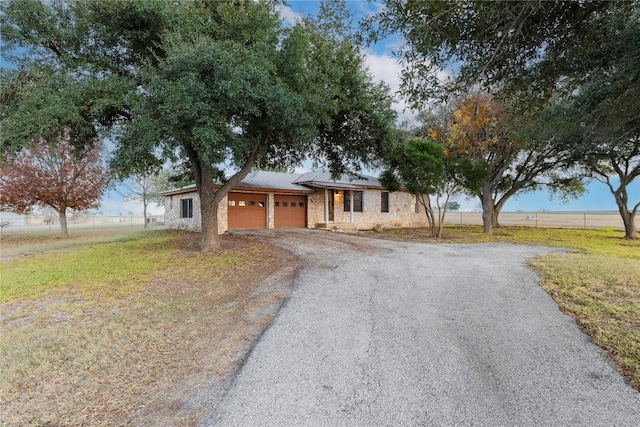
144, 213
628, 218
209, 240
441, 215
62, 214
425, 201
487, 208
210, 198
622, 199
630, 232
497, 208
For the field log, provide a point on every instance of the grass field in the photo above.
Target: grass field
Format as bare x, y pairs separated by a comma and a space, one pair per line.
597, 281
120, 328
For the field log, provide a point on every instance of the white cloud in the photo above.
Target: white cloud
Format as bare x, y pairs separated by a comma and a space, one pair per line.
387, 69
384, 68
288, 14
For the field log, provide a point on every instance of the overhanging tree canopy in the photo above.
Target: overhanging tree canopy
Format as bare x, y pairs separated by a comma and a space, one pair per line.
222, 84
524, 49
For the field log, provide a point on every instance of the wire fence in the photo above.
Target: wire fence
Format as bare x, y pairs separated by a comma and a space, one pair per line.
545, 219
585, 220
48, 222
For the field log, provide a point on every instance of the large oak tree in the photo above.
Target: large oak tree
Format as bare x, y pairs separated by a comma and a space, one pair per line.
225, 85
506, 154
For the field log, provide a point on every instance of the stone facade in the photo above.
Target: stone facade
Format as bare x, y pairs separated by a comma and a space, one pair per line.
172, 216
325, 203
402, 211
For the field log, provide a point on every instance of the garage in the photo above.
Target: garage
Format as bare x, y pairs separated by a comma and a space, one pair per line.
290, 211
247, 211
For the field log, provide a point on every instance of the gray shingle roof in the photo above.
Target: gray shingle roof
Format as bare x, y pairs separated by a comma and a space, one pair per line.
285, 181
323, 180
272, 180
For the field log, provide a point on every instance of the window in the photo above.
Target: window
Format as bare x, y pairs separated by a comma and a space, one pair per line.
357, 201
384, 201
186, 208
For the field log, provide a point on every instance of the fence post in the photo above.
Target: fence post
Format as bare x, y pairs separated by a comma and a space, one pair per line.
536, 219
460, 217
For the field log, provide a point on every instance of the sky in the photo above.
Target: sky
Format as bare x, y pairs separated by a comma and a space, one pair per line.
383, 66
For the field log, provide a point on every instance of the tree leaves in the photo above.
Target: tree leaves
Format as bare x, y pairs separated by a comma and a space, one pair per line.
53, 175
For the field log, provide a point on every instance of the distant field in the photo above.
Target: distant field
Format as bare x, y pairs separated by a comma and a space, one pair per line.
42, 223
586, 220
33, 240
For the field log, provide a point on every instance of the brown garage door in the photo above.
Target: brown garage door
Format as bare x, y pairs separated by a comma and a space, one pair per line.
247, 211
290, 211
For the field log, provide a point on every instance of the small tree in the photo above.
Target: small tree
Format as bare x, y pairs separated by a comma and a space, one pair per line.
145, 188
418, 166
426, 170
453, 206
55, 176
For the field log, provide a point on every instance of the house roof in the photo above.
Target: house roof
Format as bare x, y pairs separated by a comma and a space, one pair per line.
292, 182
323, 179
272, 181
186, 189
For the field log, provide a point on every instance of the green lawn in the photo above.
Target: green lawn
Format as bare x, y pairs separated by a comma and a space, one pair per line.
120, 331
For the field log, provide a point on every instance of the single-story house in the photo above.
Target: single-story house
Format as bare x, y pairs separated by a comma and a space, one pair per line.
267, 200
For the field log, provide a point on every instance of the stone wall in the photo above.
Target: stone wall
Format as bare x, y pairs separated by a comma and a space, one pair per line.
402, 211
172, 213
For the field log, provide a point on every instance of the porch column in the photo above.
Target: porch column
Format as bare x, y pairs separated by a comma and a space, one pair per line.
326, 206
351, 206
270, 211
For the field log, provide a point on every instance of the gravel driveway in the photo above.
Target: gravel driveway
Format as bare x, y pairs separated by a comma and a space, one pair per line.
381, 333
